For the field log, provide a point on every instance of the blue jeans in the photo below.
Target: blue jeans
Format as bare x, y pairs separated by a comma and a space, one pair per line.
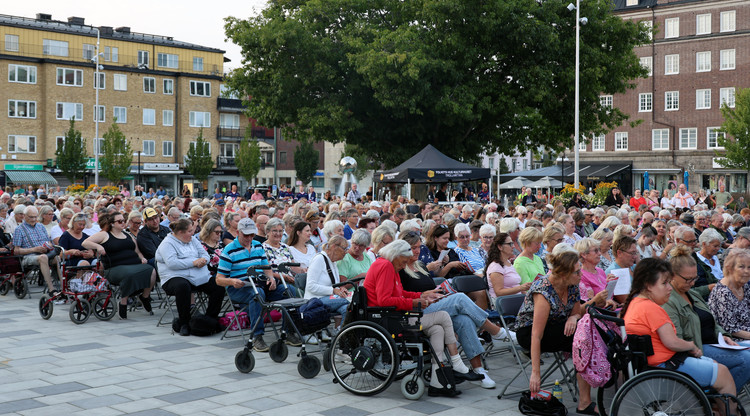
737, 361
467, 317
246, 296
336, 305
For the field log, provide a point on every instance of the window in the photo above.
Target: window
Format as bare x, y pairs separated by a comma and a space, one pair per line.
645, 102
120, 114
671, 64
102, 82
149, 117
597, 143
648, 63
89, 51
149, 148
168, 86
59, 142
621, 140
727, 59
54, 47
166, 60
671, 101
11, 43
99, 146
231, 121
25, 74
143, 58
703, 24
192, 144
713, 135
167, 117
99, 112
200, 88
660, 139
672, 28
631, 3
68, 76
605, 101
21, 109
149, 85
581, 145
111, 54
703, 61
650, 27
21, 144
200, 119
228, 149
121, 82
702, 99
491, 162
282, 160
728, 21
197, 64
66, 111
167, 148
689, 138
727, 96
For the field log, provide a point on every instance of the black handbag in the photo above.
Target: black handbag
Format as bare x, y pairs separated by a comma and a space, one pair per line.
538, 407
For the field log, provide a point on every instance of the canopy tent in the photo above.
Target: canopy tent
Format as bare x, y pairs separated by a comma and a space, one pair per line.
515, 183
430, 165
546, 182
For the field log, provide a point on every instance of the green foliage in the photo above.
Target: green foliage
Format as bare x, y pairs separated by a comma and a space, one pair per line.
306, 160
736, 127
470, 76
199, 161
72, 155
503, 166
248, 158
118, 155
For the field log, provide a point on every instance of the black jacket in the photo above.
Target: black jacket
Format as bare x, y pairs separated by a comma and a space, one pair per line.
148, 241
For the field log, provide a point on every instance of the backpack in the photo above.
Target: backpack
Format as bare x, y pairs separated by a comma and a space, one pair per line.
228, 321
203, 326
590, 351
314, 314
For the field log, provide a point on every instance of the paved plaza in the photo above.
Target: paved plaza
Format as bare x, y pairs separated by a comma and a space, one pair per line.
132, 367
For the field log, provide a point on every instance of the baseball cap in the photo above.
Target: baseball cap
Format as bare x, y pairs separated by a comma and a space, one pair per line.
150, 213
219, 202
375, 204
247, 226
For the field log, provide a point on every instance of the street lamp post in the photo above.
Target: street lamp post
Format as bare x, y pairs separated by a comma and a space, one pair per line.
578, 90
96, 111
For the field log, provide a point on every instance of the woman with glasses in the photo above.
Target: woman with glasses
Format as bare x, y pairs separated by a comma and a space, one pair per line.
729, 299
593, 280
502, 277
605, 237
72, 240
487, 235
210, 237
710, 241
278, 252
466, 253
47, 214
356, 262
323, 273
381, 237
124, 264
135, 221
694, 321
56, 232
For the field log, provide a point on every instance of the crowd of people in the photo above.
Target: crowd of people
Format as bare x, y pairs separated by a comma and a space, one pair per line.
688, 264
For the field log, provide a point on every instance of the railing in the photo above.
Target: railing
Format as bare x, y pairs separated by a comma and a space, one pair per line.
229, 104
229, 132
225, 162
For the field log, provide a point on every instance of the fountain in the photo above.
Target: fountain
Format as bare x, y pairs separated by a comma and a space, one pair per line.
347, 166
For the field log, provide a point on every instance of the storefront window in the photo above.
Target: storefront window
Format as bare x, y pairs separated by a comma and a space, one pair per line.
735, 182
738, 182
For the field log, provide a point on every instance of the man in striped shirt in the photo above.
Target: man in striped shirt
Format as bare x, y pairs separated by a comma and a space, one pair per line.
236, 257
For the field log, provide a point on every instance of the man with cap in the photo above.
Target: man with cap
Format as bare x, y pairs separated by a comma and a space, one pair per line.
219, 205
588, 223
151, 235
237, 256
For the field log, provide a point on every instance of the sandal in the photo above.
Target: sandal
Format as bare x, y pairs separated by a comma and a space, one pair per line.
589, 410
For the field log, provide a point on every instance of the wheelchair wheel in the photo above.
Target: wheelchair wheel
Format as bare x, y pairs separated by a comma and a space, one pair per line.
412, 387
244, 361
308, 366
606, 395
278, 351
5, 287
46, 305
660, 392
358, 349
21, 288
327, 358
103, 307
80, 310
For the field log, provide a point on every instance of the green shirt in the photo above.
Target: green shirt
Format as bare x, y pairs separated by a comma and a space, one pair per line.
528, 269
350, 267
722, 198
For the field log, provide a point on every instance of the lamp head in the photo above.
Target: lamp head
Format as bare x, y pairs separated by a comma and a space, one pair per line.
571, 7
584, 20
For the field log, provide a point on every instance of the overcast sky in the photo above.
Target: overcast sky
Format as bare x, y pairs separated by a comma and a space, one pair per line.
194, 21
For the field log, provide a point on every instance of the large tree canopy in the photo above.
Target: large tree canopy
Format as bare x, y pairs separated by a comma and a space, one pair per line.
465, 76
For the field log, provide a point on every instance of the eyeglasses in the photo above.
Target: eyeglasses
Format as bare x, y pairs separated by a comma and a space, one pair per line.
507, 244
688, 241
632, 253
119, 221
688, 280
217, 232
137, 222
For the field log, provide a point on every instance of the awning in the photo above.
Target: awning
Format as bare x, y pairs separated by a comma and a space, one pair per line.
600, 173
28, 177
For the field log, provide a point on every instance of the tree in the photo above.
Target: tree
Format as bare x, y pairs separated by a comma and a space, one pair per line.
199, 161
71, 154
248, 158
503, 166
736, 129
465, 76
306, 160
117, 155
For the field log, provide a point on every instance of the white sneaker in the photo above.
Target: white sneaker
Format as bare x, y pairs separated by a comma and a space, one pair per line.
324, 336
458, 365
311, 340
504, 336
487, 382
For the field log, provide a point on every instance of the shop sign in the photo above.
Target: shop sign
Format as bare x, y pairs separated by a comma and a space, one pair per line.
9, 166
90, 163
161, 166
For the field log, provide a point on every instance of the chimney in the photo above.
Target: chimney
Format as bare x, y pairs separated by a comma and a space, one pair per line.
76, 20
106, 30
125, 30
43, 16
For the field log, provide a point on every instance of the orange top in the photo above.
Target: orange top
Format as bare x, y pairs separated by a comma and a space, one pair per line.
644, 317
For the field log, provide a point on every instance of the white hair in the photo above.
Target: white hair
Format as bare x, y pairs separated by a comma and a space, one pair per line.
391, 224
331, 226
461, 227
563, 247
409, 225
394, 250
508, 225
709, 235
487, 229
372, 214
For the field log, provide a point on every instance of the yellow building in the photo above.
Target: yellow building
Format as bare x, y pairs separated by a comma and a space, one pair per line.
159, 90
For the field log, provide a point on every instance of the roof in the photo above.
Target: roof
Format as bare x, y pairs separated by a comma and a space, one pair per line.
106, 32
431, 165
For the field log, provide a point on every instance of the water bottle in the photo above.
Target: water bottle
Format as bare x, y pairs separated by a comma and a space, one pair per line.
557, 391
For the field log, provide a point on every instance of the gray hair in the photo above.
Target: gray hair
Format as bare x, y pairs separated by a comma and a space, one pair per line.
508, 225
331, 226
744, 232
396, 249
709, 235
372, 214
273, 223
461, 227
379, 234
410, 225
28, 208
487, 229
563, 247
491, 218
610, 222
390, 224
680, 231
361, 237
46, 209
601, 233
467, 208
427, 225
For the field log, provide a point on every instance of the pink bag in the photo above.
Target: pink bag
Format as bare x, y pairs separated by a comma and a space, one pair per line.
590, 352
227, 319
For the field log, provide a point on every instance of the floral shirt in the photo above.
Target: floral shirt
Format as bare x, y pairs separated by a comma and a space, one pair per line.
558, 310
213, 254
731, 313
604, 263
279, 255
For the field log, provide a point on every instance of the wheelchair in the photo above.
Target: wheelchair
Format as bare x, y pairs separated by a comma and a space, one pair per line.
378, 345
637, 389
19, 278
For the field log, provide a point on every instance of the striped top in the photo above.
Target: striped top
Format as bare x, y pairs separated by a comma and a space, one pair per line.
235, 259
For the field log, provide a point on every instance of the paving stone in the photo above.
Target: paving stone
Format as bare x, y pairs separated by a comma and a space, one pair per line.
14, 334
189, 395
96, 402
172, 347
59, 388
136, 334
80, 347
344, 411
18, 405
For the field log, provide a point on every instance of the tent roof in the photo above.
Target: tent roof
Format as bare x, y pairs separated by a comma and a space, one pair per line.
431, 165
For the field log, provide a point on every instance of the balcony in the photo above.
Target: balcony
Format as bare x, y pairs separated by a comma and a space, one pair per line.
229, 105
228, 162
229, 133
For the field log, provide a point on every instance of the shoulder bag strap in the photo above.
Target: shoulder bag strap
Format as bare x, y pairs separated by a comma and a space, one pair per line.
328, 268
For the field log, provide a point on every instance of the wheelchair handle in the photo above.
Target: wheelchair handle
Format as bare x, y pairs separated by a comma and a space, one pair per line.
288, 265
251, 270
605, 315
352, 282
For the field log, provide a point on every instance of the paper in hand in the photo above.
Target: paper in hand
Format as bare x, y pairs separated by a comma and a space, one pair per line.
442, 255
623, 282
723, 344
611, 288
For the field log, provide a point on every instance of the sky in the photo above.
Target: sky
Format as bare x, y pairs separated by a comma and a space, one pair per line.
196, 21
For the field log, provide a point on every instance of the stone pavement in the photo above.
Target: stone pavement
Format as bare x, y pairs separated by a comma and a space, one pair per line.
56, 367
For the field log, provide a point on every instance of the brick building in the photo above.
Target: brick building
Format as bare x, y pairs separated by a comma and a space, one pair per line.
698, 58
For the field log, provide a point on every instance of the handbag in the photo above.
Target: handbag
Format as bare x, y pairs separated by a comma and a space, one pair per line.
538, 407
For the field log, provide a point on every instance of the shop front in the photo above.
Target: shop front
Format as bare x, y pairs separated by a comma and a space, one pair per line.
156, 175
659, 179
22, 175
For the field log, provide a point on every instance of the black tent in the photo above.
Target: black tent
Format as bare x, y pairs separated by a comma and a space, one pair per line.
430, 165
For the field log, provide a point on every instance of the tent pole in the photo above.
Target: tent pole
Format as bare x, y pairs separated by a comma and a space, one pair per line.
408, 188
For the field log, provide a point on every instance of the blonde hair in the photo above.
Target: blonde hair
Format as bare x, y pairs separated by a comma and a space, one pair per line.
528, 236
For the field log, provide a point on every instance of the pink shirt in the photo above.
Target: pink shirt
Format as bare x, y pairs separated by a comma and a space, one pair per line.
511, 278
594, 282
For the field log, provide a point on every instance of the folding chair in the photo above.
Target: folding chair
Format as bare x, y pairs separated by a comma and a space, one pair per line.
169, 306
235, 308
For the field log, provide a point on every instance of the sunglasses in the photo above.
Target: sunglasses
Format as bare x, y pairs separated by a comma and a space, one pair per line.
119, 221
